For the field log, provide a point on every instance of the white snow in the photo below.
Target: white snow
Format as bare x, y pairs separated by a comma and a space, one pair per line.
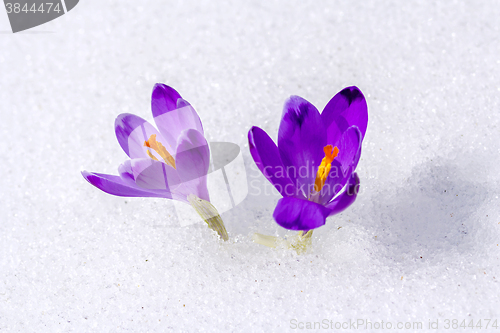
420, 244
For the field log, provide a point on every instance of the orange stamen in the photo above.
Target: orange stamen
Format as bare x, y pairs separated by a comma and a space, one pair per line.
151, 155
160, 149
325, 166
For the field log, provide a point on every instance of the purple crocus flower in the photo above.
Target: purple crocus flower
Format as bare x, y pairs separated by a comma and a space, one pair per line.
315, 158
170, 161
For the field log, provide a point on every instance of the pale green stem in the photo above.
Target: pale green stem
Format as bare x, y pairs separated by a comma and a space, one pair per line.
269, 241
209, 214
299, 243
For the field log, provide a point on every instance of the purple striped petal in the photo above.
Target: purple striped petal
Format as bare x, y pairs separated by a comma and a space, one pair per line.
126, 173
117, 186
192, 162
163, 99
301, 139
346, 198
343, 165
298, 214
349, 148
172, 114
147, 173
345, 109
132, 131
154, 175
267, 158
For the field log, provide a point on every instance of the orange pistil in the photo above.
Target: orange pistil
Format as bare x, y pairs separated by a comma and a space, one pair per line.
160, 149
325, 166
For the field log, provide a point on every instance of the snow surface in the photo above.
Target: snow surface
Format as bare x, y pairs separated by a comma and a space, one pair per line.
421, 242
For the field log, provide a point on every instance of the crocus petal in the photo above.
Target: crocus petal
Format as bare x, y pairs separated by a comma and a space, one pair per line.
193, 161
349, 148
117, 186
172, 114
343, 165
345, 109
126, 173
301, 139
346, 198
267, 158
154, 175
297, 214
132, 131
164, 99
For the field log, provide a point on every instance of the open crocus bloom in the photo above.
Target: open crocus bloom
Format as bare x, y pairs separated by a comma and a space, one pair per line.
170, 161
315, 158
